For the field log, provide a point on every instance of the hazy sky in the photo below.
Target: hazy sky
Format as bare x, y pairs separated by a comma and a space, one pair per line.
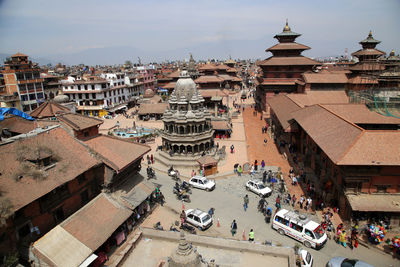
44, 28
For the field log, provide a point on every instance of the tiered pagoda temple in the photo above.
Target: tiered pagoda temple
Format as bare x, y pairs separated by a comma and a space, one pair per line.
281, 71
364, 74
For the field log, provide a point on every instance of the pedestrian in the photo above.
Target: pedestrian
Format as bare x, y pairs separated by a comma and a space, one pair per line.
211, 212
235, 167
232, 149
342, 238
152, 159
265, 141
193, 173
264, 179
239, 170
309, 203
252, 171
262, 165
233, 227
183, 217
294, 180
162, 199
255, 165
278, 202
301, 201
251, 235
148, 159
245, 202
294, 200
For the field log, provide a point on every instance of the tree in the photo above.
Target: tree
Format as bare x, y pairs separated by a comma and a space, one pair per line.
128, 63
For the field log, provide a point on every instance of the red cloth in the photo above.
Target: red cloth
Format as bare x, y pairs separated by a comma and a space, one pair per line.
120, 237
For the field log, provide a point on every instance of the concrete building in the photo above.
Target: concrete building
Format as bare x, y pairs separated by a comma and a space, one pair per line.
148, 76
23, 86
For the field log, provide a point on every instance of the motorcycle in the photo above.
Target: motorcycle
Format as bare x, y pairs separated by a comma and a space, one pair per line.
182, 196
262, 206
151, 174
184, 187
188, 228
158, 226
173, 173
173, 229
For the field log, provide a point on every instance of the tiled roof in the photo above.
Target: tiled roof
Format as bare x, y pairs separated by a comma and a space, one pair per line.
367, 66
94, 223
374, 148
207, 160
152, 108
333, 134
48, 109
175, 74
19, 55
205, 93
319, 97
17, 124
368, 52
73, 159
344, 142
360, 114
283, 107
363, 80
207, 67
170, 85
209, 79
277, 81
288, 46
325, 77
78, 122
283, 61
117, 153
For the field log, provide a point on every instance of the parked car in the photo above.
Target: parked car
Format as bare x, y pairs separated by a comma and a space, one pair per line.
199, 218
304, 258
346, 262
259, 188
202, 183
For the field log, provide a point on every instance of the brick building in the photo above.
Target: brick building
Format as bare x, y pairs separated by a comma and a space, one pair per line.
23, 86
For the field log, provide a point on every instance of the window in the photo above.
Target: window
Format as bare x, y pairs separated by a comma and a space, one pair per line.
85, 197
24, 97
309, 233
382, 188
86, 133
297, 227
32, 96
39, 95
58, 215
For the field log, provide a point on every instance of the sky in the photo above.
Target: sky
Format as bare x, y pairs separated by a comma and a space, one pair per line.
111, 31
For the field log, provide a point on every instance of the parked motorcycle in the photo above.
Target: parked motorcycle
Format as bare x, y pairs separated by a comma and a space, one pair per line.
184, 187
188, 228
158, 226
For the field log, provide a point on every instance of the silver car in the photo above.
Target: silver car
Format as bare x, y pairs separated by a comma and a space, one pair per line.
346, 262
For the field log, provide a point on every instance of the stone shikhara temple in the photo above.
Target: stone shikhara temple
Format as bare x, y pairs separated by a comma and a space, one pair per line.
187, 123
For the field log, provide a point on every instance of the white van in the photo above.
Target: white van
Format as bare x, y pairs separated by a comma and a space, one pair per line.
299, 227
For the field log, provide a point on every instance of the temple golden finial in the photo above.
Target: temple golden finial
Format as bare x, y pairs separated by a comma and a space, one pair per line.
287, 28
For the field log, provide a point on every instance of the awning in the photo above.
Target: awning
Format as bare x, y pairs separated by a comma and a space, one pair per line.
207, 160
374, 202
139, 193
59, 248
88, 260
117, 108
72, 242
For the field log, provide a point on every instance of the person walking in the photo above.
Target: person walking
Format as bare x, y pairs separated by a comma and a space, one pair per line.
152, 159
342, 238
301, 201
233, 227
294, 200
255, 165
265, 141
239, 170
278, 202
262, 165
251, 235
183, 217
245, 202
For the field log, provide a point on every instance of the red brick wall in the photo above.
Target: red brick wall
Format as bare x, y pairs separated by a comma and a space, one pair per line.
93, 131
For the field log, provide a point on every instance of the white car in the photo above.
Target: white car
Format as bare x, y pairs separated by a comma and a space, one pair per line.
202, 183
199, 218
304, 258
259, 188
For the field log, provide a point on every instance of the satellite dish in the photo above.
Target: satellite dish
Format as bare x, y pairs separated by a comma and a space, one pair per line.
302, 217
